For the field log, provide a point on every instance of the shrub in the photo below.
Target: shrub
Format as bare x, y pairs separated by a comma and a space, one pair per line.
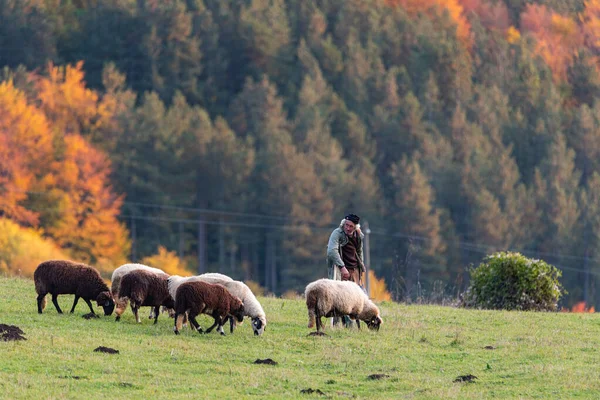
22, 249
377, 288
255, 288
167, 261
511, 281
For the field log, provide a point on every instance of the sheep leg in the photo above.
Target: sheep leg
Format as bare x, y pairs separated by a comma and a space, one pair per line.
89, 303
358, 323
217, 322
178, 321
319, 321
135, 308
220, 327
231, 323
55, 302
195, 323
156, 314
41, 302
74, 304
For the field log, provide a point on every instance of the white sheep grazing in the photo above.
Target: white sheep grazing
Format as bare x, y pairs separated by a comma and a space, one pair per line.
332, 298
115, 282
252, 307
216, 275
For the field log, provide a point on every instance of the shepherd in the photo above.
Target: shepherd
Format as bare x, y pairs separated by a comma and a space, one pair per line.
345, 254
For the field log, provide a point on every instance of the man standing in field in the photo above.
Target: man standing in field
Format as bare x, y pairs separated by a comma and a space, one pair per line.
345, 254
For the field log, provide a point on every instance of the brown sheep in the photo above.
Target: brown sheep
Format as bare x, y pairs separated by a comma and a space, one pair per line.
197, 297
145, 288
68, 277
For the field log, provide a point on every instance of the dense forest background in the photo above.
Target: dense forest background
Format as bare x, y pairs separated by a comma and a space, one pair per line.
233, 136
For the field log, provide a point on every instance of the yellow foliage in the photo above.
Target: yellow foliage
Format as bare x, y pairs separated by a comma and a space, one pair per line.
167, 261
431, 7
86, 209
590, 19
256, 288
291, 295
68, 103
513, 35
564, 26
23, 249
25, 150
377, 288
556, 37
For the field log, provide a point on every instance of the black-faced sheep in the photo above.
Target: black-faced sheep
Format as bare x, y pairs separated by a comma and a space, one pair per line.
252, 307
197, 297
332, 298
145, 288
68, 277
117, 275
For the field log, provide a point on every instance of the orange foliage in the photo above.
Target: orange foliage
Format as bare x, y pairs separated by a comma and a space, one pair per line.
67, 102
25, 150
23, 249
492, 15
167, 261
556, 37
580, 307
433, 7
513, 35
87, 207
377, 288
590, 20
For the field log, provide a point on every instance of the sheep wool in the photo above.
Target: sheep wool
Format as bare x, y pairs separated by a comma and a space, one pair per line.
118, 274
144, 288
197, 297
68, 277
252, 307
332, 298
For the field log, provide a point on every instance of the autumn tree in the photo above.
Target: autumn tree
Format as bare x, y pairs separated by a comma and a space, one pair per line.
26, 151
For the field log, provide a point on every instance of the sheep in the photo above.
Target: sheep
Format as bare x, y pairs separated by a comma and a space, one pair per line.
145, 288
69, 277
252, 307
329, 298
118, 274
197, 297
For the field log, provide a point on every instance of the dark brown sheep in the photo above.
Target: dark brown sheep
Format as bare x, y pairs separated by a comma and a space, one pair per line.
144, 288
197, 297
68, 277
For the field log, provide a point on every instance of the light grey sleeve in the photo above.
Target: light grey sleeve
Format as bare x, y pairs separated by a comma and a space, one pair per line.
333, 252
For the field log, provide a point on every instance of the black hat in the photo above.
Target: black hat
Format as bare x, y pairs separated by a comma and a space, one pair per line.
353, 218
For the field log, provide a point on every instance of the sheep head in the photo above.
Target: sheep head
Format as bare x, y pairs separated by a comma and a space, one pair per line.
258, 326
105, 300
374, 323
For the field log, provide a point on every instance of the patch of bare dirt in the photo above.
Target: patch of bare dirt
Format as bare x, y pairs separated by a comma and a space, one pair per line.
317, 334
489, 347
377, 376
76, 377
465, 378
11, 332
267, 361
108, 350
312, 391
90, 316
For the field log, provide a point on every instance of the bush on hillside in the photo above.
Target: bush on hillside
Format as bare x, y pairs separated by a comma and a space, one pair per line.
511, 281
168, 261
23, 249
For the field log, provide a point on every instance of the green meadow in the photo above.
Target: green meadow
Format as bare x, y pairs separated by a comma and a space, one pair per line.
418, 354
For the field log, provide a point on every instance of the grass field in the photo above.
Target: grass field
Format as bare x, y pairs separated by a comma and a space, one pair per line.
420, 349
